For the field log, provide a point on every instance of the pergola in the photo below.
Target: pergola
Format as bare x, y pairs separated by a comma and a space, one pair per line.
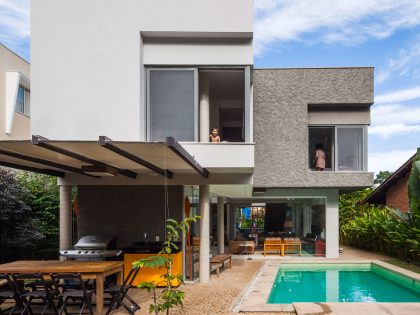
103, 159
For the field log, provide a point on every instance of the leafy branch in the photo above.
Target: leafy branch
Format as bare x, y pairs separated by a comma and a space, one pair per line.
169, 297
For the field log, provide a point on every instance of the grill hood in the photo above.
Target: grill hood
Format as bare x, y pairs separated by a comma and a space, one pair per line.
93, 242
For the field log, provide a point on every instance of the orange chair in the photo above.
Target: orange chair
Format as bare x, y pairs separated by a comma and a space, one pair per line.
272, 244
291, 243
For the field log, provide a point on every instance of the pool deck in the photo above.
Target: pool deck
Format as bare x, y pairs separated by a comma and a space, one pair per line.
357, 308
256, 295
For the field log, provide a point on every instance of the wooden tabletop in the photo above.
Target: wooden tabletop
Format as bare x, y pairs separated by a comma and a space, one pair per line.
48, 266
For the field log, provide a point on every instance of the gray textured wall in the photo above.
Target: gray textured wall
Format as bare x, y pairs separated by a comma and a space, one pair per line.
281, 98
126, 212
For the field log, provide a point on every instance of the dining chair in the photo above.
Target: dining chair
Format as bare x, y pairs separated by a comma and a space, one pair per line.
78, 292
119, 293
9, 292
42, 292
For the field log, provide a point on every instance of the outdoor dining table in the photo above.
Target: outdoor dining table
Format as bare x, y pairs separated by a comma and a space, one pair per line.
96, 270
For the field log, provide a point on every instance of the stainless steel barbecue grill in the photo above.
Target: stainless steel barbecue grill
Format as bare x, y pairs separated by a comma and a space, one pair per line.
92, 247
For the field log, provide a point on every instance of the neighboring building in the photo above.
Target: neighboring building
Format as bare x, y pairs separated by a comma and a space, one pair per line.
177, 68
14, 96
393, 192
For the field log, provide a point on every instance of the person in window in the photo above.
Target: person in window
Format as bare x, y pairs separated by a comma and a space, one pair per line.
214, 136
319, 158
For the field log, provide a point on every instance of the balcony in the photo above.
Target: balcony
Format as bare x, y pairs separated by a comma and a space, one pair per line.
225, 157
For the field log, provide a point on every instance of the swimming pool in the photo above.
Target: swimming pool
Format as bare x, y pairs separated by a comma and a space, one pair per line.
341, 283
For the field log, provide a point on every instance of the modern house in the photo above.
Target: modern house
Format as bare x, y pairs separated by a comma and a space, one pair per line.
393, 192
124, 94
14, 96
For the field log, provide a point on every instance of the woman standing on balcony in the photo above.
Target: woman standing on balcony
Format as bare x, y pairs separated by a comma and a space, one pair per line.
319, 157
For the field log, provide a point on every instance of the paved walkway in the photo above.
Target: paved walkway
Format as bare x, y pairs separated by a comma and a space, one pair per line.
349, 253
357, 308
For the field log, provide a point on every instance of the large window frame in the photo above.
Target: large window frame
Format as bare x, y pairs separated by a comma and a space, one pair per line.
248, 104
148, 100
22, 107
335, 158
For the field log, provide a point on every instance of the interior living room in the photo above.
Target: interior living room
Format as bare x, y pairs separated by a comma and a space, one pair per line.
299, 223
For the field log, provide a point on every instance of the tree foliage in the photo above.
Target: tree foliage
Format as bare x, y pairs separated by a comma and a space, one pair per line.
378, 229
382, 176
414, 185
19, 230
44, 199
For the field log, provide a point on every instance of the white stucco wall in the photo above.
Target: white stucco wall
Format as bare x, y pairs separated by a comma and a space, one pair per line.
14, 70
87, 60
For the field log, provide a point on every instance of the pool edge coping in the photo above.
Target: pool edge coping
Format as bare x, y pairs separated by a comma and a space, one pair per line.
238, 299
399, 270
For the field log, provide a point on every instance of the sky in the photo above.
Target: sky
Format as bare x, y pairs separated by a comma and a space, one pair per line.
384, 34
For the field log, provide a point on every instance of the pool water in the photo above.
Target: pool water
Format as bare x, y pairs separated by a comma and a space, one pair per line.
341, 283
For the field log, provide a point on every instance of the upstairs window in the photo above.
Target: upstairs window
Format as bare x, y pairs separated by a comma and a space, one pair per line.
323, 138
350, 148
180, 99
337, 148
172, 104
22, 101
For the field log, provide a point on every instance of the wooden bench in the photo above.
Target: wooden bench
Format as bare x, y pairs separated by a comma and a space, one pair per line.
272, 244
217, 262
215, 267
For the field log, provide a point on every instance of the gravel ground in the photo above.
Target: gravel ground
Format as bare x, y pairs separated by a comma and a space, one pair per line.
220, 294
216, 297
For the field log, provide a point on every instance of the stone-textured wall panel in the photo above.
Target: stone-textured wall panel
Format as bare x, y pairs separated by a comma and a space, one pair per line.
339, 85
281, 98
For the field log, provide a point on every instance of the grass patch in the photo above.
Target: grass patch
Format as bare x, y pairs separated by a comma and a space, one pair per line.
403, 264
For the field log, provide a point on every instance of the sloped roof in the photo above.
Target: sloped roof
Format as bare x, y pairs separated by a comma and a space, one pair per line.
378, 196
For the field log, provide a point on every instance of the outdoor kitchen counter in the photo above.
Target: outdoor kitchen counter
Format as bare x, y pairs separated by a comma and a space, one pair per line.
153, 274
96, 270
142, 250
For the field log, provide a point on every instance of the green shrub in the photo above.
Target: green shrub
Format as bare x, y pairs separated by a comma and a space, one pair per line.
43, 198
378, 229
19, 230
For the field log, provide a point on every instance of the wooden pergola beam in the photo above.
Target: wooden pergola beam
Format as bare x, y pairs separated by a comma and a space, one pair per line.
107, 143
42, 142
172, 144
32, 169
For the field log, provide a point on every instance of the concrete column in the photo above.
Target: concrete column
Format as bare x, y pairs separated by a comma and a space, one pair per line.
228, 222
331, 225
65, 218
204, 107
221, 224
297, 219
306, 219
204, 233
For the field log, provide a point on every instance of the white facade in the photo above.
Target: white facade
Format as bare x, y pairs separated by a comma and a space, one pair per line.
14, 96
92, 63
89, 56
